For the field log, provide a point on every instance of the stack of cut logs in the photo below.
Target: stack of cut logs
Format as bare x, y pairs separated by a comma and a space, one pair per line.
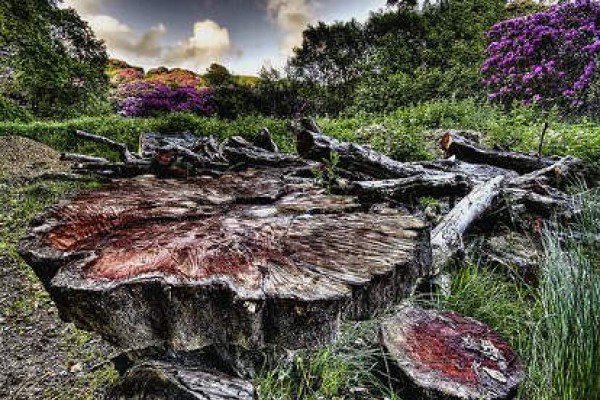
200, 258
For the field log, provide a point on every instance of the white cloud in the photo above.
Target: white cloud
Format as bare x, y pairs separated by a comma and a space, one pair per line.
83, 7
209, 43
121, 39
292, 17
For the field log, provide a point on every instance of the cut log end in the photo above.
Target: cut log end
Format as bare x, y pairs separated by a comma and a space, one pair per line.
248, 257
446, 355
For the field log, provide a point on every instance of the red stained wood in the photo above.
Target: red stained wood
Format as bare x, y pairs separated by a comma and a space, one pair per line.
444, 353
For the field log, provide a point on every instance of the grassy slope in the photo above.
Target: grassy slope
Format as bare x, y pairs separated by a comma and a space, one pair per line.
399, 133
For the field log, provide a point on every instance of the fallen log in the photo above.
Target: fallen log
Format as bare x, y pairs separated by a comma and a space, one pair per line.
443, 355
313, 145
405, 189
152, 141
447, 236
477, 173
238, 150
173, 381
80, 158
244, 259
466, 150
125, 155
564, 171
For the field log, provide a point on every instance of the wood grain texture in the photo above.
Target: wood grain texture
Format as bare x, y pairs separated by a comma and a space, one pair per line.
248, 257
443, 355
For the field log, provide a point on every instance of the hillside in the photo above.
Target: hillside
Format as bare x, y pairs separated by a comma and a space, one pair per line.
120, 72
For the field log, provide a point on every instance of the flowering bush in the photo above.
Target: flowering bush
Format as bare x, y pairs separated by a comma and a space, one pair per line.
142, 99
548, 58
125, 75
175, 77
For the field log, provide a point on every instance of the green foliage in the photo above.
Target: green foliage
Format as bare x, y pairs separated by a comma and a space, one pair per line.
567, 343
327, 174
55, 65
329, 63
399, 133
218, 75
346, 369
12, 112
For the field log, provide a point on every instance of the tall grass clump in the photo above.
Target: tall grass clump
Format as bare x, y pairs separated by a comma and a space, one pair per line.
565, 358
349, 368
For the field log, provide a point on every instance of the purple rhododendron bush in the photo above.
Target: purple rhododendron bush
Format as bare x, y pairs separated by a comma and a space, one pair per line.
548, 58
143, 99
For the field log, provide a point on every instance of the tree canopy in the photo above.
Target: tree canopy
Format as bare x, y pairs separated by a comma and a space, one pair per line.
52, 64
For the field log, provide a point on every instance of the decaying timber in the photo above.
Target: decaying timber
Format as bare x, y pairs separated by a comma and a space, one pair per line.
252, 260
233, 246
161, 380
466, 150
447, 236
443, 355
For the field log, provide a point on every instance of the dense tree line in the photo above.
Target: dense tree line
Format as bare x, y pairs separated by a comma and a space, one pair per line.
50, 62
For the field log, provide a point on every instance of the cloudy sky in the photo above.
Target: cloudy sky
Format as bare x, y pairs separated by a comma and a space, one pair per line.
242, 34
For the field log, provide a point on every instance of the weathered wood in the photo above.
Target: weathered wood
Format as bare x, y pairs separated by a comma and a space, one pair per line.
239, 151
265, 141
245, 259
124, 153
443, 355
477, 173
404, 189
466, 150
557, 175
536, 204
447, 236
313, 145
152, 141
172, 381
80, 158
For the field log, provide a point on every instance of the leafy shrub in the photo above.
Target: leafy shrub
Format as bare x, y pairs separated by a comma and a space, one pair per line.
142, 99
548, 58
11, 112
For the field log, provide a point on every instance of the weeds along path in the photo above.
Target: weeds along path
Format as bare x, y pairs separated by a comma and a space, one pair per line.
42, 357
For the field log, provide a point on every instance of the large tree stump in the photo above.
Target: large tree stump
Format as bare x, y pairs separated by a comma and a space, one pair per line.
443, 355
246, 259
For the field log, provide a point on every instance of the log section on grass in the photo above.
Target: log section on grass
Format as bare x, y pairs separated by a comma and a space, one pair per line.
245, 259
443, 355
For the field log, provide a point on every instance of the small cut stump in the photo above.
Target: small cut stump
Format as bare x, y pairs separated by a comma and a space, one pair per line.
443, 355
249, 258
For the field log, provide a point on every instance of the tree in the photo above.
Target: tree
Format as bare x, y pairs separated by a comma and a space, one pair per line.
548, 58
218, 75
329, 63
54, 64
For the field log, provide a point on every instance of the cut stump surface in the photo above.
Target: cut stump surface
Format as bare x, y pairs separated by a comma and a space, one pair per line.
444, 355
247, 259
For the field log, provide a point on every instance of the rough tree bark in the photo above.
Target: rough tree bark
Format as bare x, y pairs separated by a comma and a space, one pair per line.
447, 236
172, 381
466, 150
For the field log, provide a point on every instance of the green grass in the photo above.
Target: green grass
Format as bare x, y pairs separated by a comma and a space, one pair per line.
18, 204
349, 368
399, 133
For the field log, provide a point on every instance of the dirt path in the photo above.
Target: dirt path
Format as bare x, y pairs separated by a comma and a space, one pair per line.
42, 357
